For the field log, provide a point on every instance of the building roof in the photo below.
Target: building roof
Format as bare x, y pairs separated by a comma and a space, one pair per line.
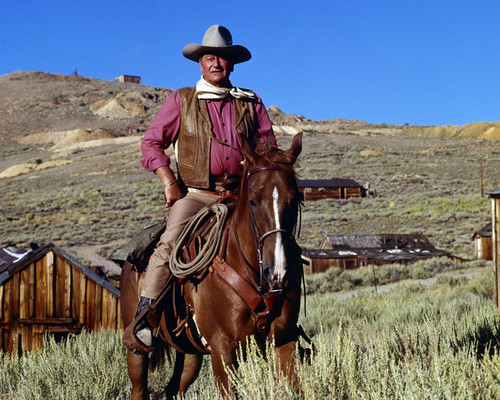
7, 271
327, 183
485, 231
493, 193
380, 241
383, 247
11, 254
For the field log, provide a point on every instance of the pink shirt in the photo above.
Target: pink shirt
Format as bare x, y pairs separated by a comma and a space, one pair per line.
165, 127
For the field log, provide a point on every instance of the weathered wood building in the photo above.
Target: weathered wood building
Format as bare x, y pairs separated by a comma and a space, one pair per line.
129, 78
316, 189
495, 240
50, 291
354, 251
483, 249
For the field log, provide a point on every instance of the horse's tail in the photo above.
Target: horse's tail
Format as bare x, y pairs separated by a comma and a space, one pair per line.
161, 352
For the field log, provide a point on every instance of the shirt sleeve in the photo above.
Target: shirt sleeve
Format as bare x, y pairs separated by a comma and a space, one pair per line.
161, 134
265, 130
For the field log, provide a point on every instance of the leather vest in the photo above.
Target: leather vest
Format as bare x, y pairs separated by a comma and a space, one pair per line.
195, 135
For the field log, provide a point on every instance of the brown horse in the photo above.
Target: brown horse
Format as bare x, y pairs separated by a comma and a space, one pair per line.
261, 249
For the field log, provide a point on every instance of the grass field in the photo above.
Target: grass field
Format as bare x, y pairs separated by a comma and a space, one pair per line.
408, 343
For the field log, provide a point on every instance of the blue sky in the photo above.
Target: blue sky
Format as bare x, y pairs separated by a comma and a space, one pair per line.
382, 61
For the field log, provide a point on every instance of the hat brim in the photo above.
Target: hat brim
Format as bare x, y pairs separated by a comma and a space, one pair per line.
237, 53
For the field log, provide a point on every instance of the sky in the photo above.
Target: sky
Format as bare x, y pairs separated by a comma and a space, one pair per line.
423, 62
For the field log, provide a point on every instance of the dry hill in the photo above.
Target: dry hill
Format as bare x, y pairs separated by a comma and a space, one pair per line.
69, 169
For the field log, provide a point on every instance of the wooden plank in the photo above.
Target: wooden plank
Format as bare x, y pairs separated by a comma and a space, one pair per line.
89, 306
107, 307
24, 293
15, 301
37, 337
59, 287
45, 321
98, 305
7, 303
119, 322
32, 290
50, 270
1, 303
41, 289
83, 299
68, 293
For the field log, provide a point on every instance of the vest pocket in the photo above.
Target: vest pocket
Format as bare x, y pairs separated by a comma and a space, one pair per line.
187, 150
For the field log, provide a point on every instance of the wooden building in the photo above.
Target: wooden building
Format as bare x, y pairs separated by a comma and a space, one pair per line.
354, 251
316, 189
482, 243
495, 240
129, 78
50, 291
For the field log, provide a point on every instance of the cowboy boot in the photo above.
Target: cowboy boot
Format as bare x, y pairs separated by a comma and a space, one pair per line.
143, 330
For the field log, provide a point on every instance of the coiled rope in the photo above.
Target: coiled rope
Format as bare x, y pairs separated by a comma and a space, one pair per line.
209, 250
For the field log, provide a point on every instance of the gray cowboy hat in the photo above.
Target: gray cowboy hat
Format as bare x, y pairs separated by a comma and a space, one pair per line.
217, 39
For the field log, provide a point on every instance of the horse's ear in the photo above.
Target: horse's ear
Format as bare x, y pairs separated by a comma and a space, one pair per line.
246, 149
296, 146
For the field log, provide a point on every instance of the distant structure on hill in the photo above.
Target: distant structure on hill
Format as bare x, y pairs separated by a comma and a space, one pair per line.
354, 251
338, 188
128, 78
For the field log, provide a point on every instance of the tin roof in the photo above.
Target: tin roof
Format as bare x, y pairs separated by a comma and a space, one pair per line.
383, 247
327, 183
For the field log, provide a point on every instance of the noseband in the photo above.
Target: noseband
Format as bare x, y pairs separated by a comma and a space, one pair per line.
258, 238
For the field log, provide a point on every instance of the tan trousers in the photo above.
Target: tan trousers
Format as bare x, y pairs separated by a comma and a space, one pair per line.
181, 212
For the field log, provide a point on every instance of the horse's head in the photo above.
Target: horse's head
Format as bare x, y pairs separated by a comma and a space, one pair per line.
273, 202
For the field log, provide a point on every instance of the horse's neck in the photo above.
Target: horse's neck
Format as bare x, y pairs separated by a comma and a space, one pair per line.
241, 251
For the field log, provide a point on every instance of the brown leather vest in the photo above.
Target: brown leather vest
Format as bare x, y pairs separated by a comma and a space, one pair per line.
195, 135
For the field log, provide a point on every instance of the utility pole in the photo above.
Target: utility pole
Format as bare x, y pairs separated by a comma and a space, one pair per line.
481, 174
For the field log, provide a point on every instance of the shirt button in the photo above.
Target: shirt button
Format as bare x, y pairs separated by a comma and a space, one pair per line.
227, 158
223, 124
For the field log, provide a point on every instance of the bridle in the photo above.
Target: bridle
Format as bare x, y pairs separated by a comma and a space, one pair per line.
258, 238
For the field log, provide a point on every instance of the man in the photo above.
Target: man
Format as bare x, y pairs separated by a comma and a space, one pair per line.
202, 123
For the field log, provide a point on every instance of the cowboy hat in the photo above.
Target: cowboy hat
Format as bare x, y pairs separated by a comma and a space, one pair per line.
217, 39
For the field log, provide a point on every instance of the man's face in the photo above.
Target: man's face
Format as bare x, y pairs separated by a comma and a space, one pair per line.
216, 69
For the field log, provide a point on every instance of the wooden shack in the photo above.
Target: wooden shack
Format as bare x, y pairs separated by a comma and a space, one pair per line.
316, 189
482, 243
129, 78
495, 240
50, 291
354, 251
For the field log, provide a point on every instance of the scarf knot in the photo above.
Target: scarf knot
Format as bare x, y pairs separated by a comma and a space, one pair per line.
207, 91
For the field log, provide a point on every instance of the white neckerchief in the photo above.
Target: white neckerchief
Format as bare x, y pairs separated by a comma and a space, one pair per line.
207, 91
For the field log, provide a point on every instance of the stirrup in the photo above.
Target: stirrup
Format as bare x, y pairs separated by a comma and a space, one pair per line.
143, 331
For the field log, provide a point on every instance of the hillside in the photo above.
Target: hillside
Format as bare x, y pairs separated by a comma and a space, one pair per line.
69, 169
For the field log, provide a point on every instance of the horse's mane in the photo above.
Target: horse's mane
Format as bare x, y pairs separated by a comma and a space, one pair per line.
275, 156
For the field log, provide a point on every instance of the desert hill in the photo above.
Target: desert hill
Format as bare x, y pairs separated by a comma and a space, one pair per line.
43, 104
69, 170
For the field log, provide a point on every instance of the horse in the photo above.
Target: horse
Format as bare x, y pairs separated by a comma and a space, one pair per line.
262, 259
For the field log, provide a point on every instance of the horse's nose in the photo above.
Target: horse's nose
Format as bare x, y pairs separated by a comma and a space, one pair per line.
272, 278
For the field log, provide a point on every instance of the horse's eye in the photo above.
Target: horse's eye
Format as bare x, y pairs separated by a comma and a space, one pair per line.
252, 203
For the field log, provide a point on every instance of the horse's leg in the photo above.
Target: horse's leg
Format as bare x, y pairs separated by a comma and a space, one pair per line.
138, 374
186, 370
223, 358
285, 357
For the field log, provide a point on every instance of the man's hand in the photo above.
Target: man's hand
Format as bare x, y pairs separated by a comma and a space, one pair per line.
173, 191
172, 194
